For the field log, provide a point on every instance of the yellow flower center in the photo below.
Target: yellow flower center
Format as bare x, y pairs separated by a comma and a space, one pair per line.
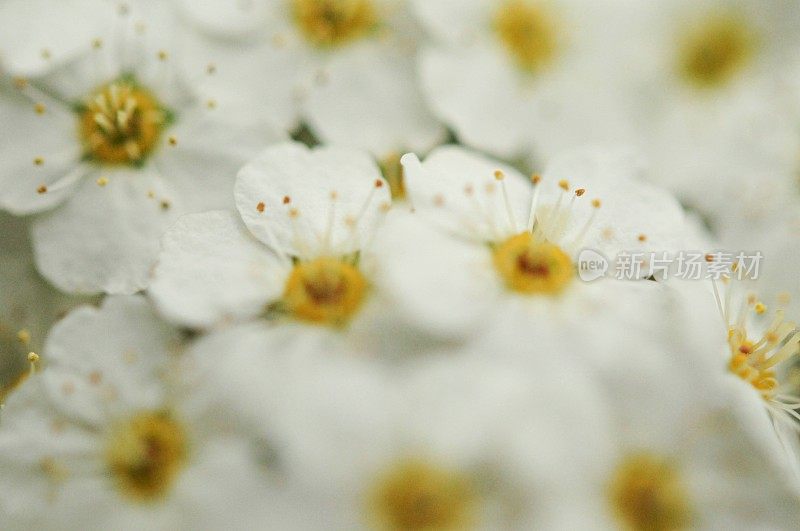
331, 23
528, 32
416, 495
713, 52
121, 123
533, 267
145, 454
325, 291
646, 494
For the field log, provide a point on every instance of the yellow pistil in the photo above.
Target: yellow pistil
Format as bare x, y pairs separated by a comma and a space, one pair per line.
714, 51
646, 493
755, 362
418, 496
332, 23
533, 267
121, 123
528, 32
325, 291
145, 453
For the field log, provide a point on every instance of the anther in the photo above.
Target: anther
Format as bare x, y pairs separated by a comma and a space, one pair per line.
260, 207
536, 179
760, 308
97, 43
165, 204
102, 181
211, 104
40, 108
24, 336
642, 237
38, 161
211, 69
42, 189
378, 183
172, 141
499, 175
287, 200
46, 55
579, 192
564, 185
596, 203
162, 55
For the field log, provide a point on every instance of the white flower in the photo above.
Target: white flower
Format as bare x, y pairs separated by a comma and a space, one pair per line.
111, 435
492, 237
442, 442
298, 247
347, 68
121, 142
513, 77
703, 82
678, 450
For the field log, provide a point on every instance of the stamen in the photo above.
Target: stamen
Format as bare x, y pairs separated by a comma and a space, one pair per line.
535, 180
500, 177
578, 240
33, 359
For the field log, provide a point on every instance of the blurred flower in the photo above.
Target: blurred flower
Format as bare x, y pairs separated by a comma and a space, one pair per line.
515, 77
347, 68
110, 434
121, 140
445, 441
678, 449
705, 85
303, 251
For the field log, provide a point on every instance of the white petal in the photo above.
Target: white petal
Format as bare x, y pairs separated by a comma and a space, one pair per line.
105, 238
458, 188
107, 360
439, 284
272, 90
309, 178
477, 93
453, 21
208, 152
30, 432
29, 27
27, 136
635, 215
226, 19
369, 100
211, 269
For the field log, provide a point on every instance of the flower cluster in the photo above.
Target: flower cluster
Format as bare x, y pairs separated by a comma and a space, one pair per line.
345, 264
